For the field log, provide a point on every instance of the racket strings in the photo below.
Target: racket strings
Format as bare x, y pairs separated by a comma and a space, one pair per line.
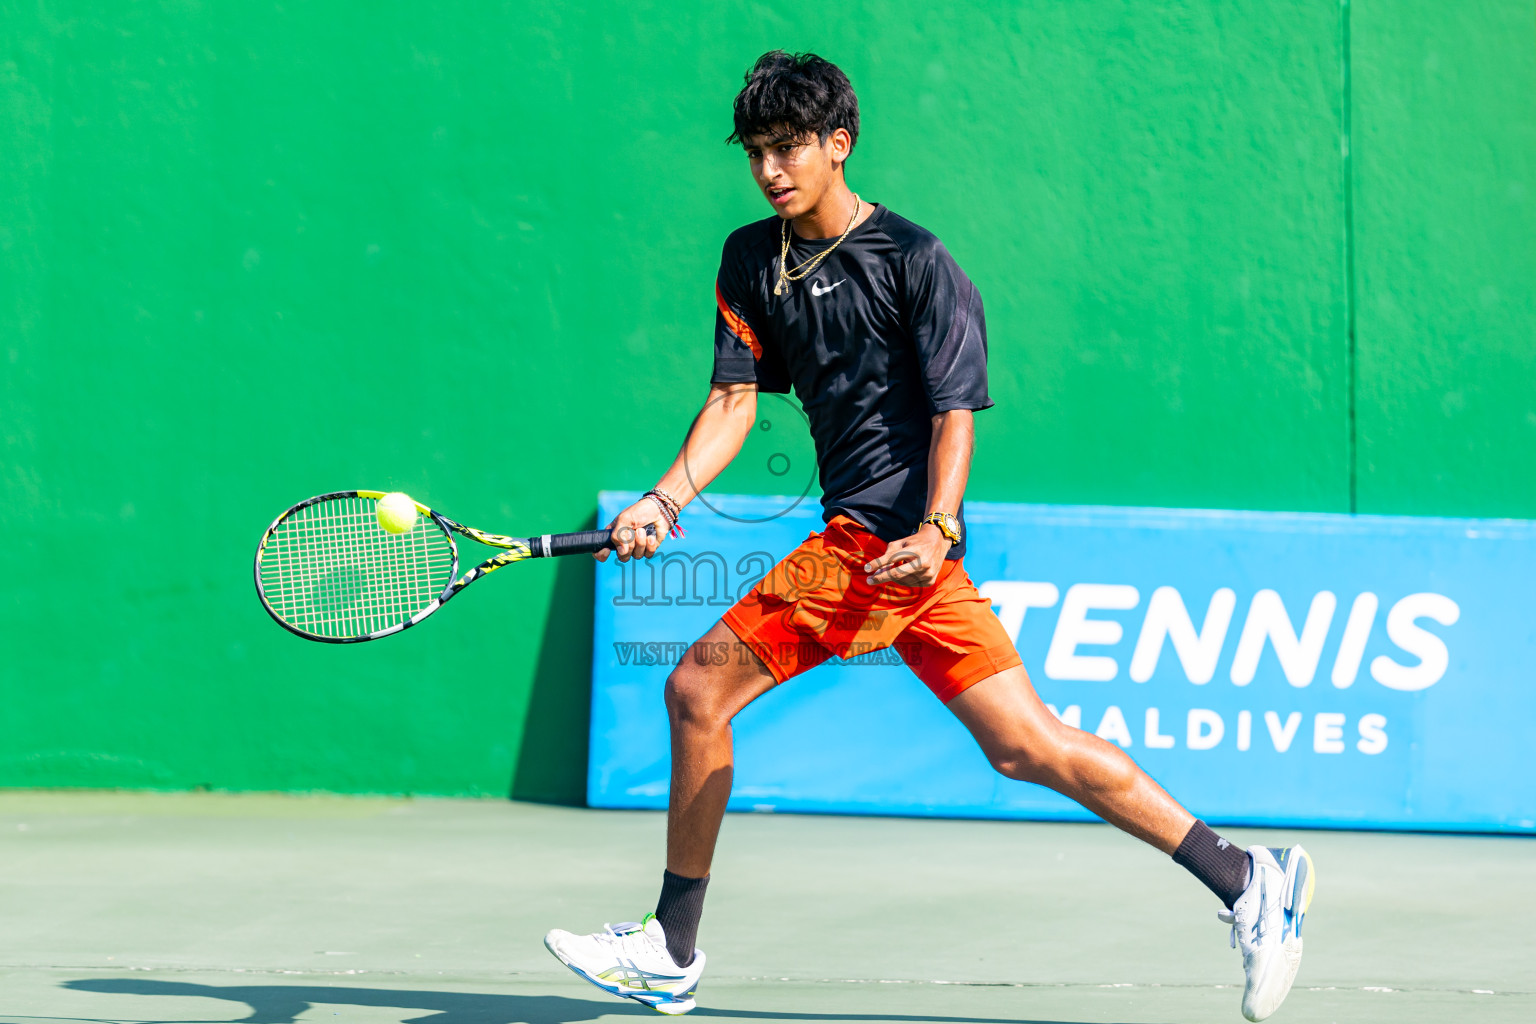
330, 569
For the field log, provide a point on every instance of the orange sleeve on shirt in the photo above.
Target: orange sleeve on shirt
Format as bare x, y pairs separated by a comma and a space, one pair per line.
738, 326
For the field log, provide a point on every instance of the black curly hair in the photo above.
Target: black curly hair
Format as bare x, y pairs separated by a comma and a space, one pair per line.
795, 94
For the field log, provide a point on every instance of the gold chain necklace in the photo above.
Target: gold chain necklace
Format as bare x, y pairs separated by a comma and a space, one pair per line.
809, 266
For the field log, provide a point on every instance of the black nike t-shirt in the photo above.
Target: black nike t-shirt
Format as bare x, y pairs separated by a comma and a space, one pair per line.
885, 334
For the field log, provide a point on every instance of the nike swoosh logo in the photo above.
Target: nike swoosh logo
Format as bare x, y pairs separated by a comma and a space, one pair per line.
818, 290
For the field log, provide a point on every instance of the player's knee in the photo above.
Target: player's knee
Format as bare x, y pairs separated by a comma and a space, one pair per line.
1024, 765
690, 697
1034, 756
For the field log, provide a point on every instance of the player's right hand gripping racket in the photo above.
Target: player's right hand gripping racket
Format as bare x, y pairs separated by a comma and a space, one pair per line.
326, 570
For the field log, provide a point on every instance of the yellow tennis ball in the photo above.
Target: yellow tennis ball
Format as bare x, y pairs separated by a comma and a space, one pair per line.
397, 512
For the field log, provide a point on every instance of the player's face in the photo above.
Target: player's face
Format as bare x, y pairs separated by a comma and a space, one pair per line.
794, 173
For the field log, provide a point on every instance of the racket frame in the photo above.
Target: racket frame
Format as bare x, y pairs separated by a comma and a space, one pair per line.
513, 549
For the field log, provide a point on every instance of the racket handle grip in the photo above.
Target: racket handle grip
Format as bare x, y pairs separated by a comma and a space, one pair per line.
584, 543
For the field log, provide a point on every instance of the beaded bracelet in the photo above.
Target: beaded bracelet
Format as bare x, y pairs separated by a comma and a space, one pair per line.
662, 507
668, 512
670, 502
670, 509
677, 506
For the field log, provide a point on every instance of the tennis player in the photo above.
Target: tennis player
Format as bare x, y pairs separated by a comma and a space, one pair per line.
881, 335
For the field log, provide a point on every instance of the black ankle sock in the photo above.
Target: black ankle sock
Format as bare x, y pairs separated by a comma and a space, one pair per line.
679, 909
1222, 866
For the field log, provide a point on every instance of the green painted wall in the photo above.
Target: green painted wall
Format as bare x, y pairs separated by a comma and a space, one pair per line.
1445, 229
250, 252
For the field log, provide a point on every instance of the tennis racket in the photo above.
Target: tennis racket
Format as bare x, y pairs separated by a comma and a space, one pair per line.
326, 570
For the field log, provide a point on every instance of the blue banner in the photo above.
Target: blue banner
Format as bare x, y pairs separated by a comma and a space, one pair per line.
1266, 668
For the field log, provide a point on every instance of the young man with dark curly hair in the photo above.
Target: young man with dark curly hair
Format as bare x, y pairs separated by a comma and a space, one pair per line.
881, 334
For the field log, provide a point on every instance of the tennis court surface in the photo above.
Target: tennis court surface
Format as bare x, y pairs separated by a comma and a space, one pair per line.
209, 907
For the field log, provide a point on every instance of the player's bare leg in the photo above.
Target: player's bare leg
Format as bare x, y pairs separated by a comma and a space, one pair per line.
1266, 891
654, 961
701, 701
1023, 740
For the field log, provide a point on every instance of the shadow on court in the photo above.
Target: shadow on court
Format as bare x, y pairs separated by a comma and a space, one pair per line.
282, 1004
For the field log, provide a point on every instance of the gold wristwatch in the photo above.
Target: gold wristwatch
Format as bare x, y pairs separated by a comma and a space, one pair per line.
948, 525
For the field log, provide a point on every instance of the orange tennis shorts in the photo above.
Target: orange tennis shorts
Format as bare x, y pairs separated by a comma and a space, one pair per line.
816, 604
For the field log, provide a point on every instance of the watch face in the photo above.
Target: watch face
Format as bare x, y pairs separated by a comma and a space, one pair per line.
947, 524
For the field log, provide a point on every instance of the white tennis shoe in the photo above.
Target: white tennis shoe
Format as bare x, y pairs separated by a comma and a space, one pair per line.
631, 961
1266, 925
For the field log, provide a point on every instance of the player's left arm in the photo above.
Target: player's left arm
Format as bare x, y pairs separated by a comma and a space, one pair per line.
943, 313
915, 561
